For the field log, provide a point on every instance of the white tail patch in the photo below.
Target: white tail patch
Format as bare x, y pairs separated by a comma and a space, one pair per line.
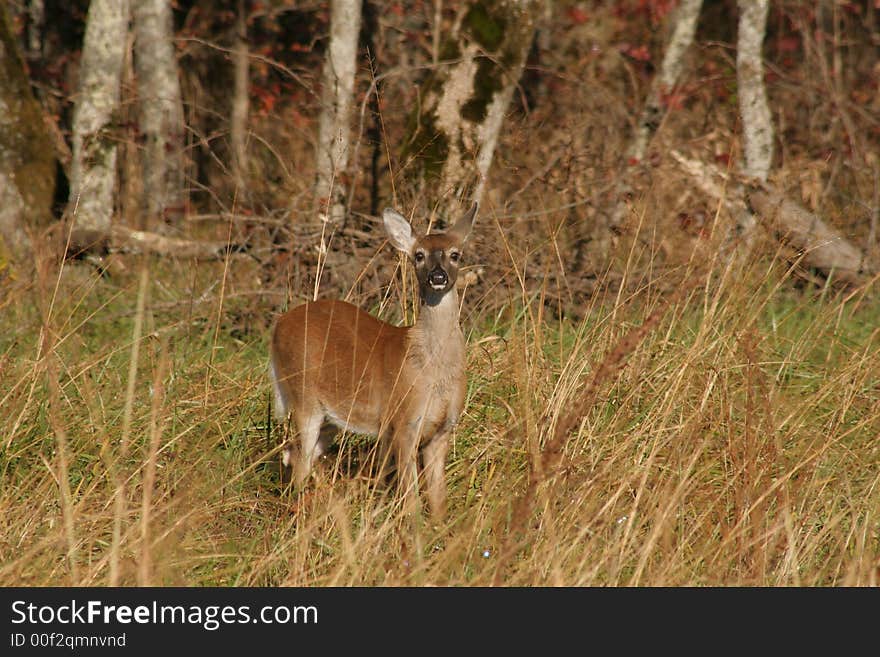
280, 405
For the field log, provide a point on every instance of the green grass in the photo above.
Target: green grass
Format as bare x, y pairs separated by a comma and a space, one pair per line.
735, 443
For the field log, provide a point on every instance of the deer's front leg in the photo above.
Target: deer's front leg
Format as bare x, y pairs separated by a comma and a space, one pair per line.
406, 439
434, 460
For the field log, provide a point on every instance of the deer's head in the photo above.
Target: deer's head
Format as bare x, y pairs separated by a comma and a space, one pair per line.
435, 256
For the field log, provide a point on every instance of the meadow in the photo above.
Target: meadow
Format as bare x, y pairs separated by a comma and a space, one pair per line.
712, 426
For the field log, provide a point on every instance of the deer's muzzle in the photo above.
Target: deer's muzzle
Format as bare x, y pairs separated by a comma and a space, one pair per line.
438, 278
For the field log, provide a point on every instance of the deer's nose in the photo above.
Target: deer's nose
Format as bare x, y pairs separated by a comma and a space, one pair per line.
438, 278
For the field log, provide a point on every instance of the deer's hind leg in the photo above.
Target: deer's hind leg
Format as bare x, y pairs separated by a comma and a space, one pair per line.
301, 457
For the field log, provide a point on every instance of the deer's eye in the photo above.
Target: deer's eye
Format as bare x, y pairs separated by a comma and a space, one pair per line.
454, 256
419, 257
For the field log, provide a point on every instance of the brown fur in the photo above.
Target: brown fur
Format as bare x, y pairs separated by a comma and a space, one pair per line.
331, 361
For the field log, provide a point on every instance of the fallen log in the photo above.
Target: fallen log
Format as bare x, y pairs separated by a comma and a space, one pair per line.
126, 240
820, 246
823, 247
147, 242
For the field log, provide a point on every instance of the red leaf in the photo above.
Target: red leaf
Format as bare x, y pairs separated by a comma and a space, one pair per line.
673, 101
639, 53
788, 44
298, 119
577, 15
267, 98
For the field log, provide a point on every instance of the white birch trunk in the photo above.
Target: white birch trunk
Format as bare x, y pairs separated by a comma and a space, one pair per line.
481, 135
336, 100
93, 169
465, 102
670, 70
161, 107
455, 93
36, 16
240, 100
488, 131
27, 160
13, 238
753, 107
684, 28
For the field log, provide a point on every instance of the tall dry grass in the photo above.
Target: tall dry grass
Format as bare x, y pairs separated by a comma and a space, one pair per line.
711, 427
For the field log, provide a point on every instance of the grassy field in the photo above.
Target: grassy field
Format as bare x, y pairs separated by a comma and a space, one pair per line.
723, 432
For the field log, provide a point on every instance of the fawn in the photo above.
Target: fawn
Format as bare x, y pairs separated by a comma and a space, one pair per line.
332, 361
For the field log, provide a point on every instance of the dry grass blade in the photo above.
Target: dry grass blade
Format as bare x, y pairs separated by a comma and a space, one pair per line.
119, 506
548, 464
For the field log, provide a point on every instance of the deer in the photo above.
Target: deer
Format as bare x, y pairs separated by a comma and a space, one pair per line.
334, 363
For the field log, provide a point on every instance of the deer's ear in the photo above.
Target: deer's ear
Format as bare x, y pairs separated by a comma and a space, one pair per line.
399, 231
462, 227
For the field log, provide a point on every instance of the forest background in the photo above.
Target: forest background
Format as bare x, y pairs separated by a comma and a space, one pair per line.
669, 298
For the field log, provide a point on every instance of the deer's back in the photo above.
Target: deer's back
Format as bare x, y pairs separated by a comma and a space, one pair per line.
333, 355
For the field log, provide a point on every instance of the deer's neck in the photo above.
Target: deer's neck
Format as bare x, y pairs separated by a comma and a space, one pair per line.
436, 335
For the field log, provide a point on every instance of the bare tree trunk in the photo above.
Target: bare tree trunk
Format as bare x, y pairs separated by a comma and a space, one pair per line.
753, 107
240, 100
161, 108
463, 104
36, 16
93, 169
140, 241
670, 70
684, 28
27, 158
750, 88
336, 99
